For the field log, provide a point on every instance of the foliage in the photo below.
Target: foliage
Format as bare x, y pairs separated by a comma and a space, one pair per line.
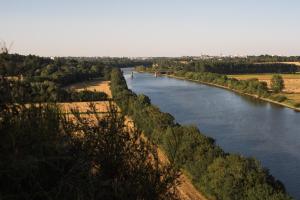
250, 86
218, 174
63, 71
18, 91
277, 83
45, 155
226, 65
279, 98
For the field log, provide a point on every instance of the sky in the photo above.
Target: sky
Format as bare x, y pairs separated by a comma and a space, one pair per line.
151, 27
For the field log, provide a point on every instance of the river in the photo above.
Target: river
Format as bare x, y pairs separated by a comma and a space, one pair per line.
240, 124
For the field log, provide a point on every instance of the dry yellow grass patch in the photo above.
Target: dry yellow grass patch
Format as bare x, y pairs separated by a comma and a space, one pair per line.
291, 81
295, 97
83, 107
292, 63
96, 85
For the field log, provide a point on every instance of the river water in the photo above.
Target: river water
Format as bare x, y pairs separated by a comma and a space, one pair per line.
240, 124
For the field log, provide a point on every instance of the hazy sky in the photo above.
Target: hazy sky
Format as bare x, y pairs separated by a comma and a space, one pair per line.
151, 27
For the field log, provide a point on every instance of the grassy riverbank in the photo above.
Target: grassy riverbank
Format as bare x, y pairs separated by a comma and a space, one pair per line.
185, 189
217, 174
239, 92
249, 87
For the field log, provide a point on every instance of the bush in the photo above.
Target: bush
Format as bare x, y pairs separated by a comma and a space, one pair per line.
277, 83
279, 98
45, 155
297, 105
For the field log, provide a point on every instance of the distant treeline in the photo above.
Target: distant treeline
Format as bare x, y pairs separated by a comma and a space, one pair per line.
247, 59
62, 71
117, 62
225, 66
218, 174
244, 68
41, 79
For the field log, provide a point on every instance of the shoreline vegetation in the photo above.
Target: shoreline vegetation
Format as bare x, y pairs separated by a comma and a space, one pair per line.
281, 98
185, 188
239, 92
215, 173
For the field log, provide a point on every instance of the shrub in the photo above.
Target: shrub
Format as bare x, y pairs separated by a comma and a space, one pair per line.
279, 98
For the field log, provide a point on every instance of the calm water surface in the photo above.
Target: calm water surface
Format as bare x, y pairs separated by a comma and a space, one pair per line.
239, 124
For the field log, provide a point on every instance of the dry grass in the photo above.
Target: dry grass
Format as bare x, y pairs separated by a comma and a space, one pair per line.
292, 81
13, 78
83, 107
96, 85
293, 96
292, 63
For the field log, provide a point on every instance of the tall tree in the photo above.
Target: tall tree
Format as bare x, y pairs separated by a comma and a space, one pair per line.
277, 83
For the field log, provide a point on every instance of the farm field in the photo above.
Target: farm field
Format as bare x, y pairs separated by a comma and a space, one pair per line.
95, 85
291, 81
83, 107
292, 63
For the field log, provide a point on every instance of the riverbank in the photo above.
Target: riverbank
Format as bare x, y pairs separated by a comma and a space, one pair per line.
219, 114
297, 109
186, 190
236, 91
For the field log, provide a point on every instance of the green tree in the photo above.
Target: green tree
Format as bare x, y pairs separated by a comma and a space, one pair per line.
277, 83
47, 155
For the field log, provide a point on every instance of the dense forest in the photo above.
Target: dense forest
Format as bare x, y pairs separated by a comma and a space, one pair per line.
217, 174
